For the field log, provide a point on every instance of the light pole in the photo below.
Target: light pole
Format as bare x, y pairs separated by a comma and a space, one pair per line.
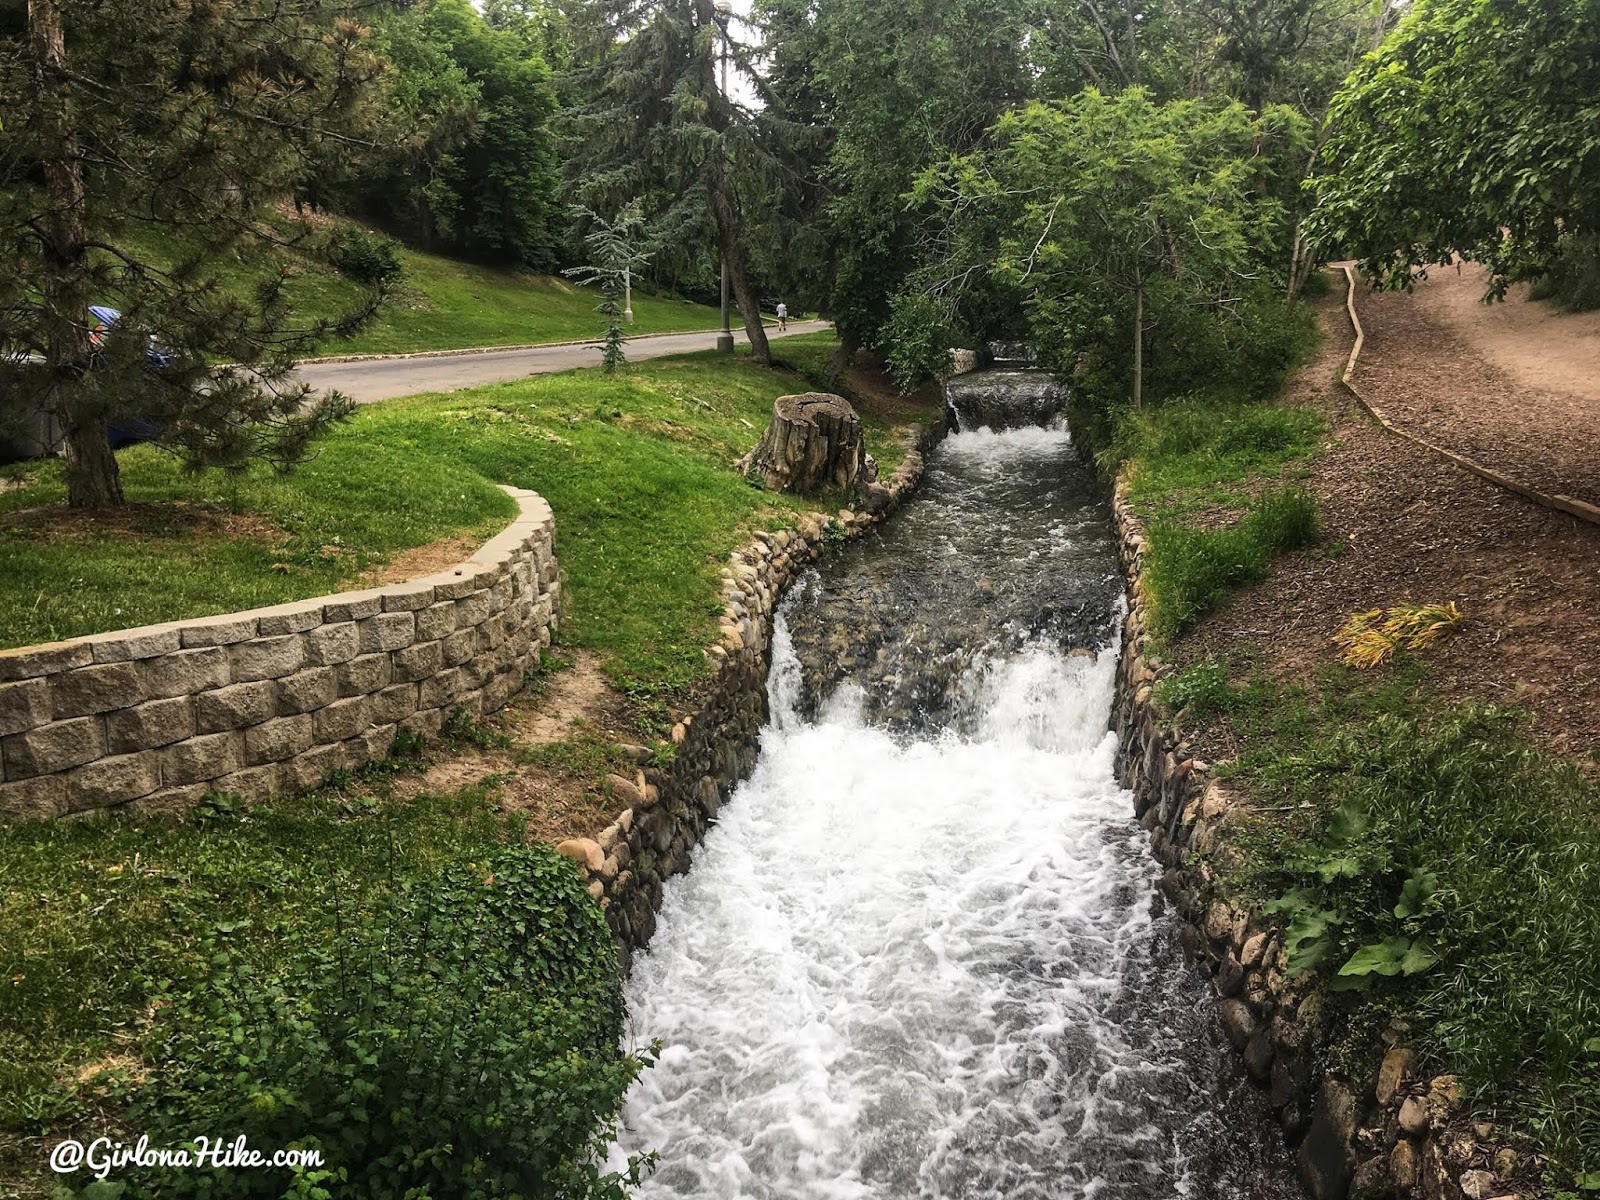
724, 10
627, 296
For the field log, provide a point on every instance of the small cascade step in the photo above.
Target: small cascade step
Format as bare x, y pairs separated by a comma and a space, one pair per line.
1009, 398
1004, 355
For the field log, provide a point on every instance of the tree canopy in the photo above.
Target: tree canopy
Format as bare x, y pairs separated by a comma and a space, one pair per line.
1107, 176
1474, 129
469, 163
1112, 221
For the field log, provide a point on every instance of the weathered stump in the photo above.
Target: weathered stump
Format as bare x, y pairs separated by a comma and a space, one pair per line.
813, 443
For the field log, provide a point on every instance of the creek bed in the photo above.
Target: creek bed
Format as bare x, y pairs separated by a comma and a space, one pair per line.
921, 953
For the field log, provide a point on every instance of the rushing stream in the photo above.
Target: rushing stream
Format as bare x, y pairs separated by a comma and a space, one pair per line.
921, 954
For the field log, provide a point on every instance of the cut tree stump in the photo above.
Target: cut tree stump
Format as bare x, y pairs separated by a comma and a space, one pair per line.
813, 444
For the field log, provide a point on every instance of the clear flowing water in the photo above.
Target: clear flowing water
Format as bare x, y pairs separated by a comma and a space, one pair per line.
921, 955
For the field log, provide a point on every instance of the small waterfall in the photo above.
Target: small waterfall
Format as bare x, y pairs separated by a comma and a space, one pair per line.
1011, 355
920, 956
1009, 396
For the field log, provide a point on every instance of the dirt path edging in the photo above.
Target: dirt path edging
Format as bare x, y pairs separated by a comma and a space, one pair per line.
1566, 504
1393, 1132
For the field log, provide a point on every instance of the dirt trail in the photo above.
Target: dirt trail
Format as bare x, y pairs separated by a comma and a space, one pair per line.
560, 798
1417, 529
1533, 342
1515, 386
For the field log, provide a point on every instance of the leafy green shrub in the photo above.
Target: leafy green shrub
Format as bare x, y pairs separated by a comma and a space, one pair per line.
918, 337
1573, 280
463, 1043
1191, 570
365, 257
1450, 876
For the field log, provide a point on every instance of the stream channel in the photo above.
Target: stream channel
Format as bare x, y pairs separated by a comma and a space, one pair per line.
921, 954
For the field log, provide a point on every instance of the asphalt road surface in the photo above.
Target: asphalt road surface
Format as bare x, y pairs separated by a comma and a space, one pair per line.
384, 379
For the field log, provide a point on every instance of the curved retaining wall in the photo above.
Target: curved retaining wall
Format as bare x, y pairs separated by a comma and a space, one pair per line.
1390, 1133
276, 699
669, 805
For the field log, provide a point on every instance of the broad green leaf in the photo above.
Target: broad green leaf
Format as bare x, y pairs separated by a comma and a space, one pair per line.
1348, 822
1380, 958
1419, 958
1416, 893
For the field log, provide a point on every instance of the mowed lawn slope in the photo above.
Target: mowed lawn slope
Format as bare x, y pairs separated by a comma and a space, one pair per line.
443, 303
638, 468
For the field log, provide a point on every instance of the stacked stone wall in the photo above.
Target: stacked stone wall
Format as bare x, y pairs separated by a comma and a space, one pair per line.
1392, 1132
274, 700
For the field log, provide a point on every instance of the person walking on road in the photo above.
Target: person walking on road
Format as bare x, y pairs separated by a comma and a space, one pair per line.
783, 315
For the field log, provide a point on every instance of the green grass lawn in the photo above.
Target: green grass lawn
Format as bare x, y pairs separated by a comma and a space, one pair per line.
443, 304
446, 304
637, 467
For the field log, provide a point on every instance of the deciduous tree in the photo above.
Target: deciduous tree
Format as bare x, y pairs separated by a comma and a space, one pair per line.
1113, 217
1471, 130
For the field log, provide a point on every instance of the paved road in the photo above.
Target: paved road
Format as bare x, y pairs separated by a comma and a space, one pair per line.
385, 379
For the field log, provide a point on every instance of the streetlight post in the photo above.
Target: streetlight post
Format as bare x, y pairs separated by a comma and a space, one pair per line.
725, 338
627, 295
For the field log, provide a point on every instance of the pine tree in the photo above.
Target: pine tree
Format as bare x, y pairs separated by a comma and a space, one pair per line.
618, 254
658, 128
139, 132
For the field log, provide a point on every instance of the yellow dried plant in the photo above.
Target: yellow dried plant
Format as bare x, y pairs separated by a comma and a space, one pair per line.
1373, 637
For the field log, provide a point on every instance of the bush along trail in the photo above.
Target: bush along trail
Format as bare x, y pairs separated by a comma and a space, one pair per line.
282, 968
1372, 774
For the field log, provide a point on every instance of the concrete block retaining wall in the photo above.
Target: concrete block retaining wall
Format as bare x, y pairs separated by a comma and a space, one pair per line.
670, 805
276, 699
1391, 1133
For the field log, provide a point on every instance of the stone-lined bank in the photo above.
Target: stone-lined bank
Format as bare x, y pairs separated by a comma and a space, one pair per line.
277, 699
668, 805
1391, 1133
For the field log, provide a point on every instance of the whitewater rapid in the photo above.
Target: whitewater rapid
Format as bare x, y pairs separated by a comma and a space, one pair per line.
930, 964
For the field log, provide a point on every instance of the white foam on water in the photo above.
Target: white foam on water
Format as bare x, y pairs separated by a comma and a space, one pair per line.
891, 970
928, 967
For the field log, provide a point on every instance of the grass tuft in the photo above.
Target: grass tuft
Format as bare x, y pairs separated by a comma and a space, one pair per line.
1369, 639
1184, 453
1192, 570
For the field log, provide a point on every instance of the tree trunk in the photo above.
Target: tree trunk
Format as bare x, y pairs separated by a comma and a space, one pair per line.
93, 480
813, 443
1138, 341
724, 209
732, 249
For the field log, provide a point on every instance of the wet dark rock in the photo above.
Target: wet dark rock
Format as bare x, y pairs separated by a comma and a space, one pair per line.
1372, 1180
1230, 976
1325, 1161
1258, 1056
1238, 1022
